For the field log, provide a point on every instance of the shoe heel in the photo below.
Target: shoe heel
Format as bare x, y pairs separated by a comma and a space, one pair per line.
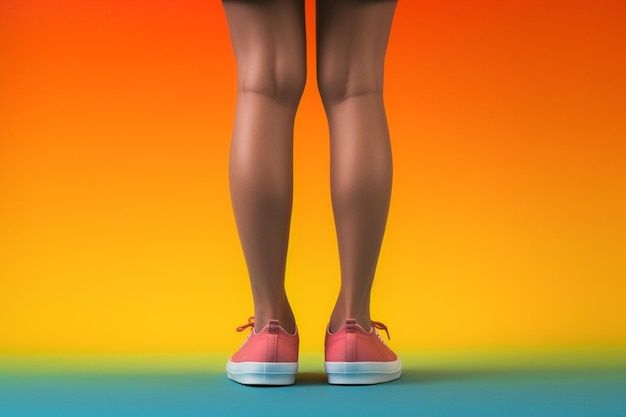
362, 373
262, 373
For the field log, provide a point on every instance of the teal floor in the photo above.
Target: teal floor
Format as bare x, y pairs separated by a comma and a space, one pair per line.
533, 393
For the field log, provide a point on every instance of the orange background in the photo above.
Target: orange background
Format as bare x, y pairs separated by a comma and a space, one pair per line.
507, 225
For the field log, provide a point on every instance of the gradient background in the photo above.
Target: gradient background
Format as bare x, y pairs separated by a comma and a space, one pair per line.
507, 227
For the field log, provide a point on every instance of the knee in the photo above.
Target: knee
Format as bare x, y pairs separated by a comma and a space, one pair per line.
337, 84
283, 84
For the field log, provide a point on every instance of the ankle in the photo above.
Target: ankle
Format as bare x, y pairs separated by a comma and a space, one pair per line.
351, 306
286, 320
336, 322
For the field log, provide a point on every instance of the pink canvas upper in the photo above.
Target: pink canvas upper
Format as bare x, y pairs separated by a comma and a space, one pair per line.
271, 344
351, 343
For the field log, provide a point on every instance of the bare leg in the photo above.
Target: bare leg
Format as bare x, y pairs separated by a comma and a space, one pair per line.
352, 37
268, 38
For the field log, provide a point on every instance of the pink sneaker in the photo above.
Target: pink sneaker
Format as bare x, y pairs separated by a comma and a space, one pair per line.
269, 357
355, 357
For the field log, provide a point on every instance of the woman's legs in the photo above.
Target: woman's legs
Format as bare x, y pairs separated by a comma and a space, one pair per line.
268, 38
352, 37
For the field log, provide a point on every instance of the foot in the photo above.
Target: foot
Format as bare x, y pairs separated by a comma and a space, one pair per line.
354, 356
269, 357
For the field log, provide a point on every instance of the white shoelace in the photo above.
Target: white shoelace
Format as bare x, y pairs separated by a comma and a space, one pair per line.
381, 326
380, 338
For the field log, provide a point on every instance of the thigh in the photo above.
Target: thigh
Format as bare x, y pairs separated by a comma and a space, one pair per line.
269, 42
352, 38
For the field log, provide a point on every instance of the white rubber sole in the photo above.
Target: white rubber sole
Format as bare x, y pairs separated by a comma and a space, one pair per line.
362, 373
262, 373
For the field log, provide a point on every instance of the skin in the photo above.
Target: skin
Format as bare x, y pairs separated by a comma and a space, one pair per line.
268, 39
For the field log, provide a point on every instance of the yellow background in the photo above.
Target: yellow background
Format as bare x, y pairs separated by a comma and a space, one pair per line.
507, 227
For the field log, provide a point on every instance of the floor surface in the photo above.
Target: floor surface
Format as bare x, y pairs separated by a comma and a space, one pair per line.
502, 392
